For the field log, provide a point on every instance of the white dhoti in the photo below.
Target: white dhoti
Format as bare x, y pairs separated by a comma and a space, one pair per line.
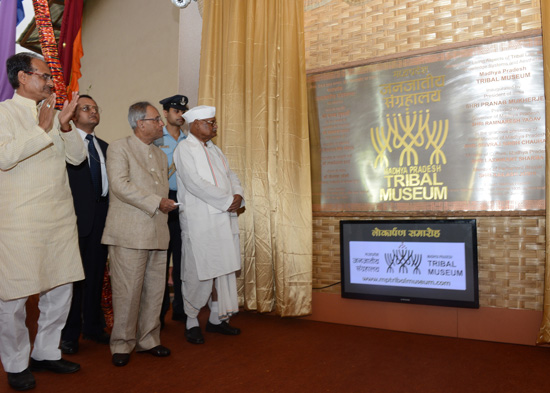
196, 292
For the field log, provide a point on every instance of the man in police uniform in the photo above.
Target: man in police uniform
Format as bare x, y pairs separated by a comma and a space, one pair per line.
173, 108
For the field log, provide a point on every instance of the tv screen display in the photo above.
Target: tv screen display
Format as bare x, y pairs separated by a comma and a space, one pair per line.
410, 261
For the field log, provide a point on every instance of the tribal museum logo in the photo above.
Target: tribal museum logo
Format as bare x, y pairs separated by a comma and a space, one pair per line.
403, 260
409, 133
414, 137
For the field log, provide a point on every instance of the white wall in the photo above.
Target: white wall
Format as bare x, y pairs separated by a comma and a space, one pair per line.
190, 51
130, 54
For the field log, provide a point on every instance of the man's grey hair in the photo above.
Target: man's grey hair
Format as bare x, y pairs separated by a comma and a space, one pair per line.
137, 112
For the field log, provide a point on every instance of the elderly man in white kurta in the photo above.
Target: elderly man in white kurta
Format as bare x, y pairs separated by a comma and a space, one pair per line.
210, 194
38, 236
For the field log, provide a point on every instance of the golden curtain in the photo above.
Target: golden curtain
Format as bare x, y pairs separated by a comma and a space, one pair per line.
253, 71
544, 333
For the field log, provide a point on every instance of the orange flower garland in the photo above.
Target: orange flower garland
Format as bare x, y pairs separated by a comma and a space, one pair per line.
49, 48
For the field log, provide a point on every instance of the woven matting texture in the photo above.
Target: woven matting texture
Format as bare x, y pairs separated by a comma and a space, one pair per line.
511, 259
339, 31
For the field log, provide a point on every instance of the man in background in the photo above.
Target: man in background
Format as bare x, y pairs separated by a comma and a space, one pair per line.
136, 232
210, 194
172, 134
38, 237
89, 185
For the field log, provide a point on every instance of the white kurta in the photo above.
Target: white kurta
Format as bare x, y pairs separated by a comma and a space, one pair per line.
38, 235
206, 186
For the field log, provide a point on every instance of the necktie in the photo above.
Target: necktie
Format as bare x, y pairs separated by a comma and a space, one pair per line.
95, 165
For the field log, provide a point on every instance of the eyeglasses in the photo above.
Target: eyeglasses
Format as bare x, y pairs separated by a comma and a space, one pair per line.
157, 119
211, 122
46, 77
87, 108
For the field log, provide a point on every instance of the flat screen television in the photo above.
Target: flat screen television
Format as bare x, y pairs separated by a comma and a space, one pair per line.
410, 261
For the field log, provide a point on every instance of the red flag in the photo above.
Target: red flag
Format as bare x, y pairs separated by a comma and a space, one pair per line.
75, 69
70, 26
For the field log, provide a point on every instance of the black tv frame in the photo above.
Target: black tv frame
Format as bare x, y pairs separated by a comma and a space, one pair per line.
469, 298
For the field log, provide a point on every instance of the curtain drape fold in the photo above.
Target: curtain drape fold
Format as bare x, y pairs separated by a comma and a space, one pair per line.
253, 71
544, 333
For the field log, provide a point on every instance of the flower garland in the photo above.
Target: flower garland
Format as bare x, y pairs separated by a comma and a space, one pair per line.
49, 49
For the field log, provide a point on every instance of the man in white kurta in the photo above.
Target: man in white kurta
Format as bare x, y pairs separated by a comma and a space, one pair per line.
210, 194
38, 237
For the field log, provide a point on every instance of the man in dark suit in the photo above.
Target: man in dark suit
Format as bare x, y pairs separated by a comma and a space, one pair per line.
88, 182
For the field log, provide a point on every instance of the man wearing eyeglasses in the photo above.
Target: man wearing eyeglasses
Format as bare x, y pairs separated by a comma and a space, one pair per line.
137, 234
210, 194
89, 186
38, 236
173, 109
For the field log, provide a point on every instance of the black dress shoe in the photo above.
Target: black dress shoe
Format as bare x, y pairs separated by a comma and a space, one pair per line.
60, 366
222, 328
181, 317
69, 347
121, 359
159, 351
22, 381
102, 338
194, 335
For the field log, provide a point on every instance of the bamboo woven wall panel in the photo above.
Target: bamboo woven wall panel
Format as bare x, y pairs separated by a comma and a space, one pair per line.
511, 258
339, 31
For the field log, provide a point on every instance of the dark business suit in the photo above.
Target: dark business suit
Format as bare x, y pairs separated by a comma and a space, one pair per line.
86, 314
